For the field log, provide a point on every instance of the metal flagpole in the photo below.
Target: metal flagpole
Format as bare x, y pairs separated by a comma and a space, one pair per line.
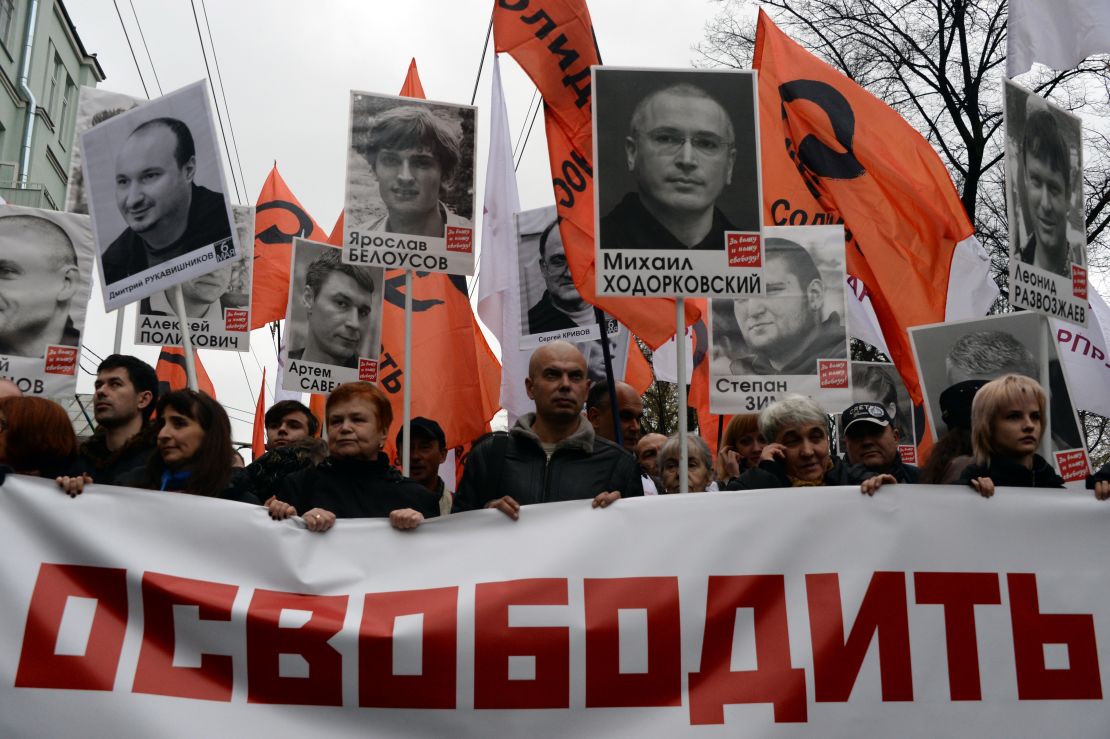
680, 348
121, 313
186, 338
610, 380
406, 397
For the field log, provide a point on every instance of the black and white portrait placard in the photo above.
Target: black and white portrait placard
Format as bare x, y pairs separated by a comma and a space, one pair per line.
1044, 206
157, 198
333, 320
677, 197
46, 263
217, 304
793, 338
409, 200
94, 106
550, 306
987, 348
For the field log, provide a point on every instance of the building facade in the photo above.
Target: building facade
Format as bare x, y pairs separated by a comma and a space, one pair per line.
43, 64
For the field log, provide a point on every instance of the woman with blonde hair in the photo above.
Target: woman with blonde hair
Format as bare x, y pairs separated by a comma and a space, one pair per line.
1007, 423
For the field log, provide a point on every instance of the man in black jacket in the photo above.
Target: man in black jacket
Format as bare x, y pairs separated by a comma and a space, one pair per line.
126, 391
871, 439
552, 454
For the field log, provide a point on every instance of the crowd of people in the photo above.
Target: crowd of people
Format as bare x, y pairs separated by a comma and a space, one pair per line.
576, 445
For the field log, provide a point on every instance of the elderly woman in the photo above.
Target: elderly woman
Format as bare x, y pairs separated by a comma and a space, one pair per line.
356, 480
699, 464
797, 452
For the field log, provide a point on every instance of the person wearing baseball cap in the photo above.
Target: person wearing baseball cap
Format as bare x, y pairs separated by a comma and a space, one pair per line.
871, 440
427, 452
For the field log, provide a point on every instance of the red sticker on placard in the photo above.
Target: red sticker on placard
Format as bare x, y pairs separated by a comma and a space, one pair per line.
367, 369
744, 250
833, 373
460, 238
61, 360
1072, 464
1078, 281
235, 319
908, 453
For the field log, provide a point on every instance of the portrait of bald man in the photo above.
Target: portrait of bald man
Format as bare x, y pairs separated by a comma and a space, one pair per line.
167, 214
39, 279
687, 170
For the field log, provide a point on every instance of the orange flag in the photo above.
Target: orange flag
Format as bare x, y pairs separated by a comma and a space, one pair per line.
278, 218
171, 372
637, 371
412, 87
553, 41
258, 437
832, 150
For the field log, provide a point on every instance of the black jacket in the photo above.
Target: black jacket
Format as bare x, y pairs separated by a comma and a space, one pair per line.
773, 475
1102, 475
514, 464
1005, 472
902, 472
356, 488
106, 467
139, 478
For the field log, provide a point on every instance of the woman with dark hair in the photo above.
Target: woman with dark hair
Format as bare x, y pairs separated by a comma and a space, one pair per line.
36, 437
193, 451
952, 451
356, 480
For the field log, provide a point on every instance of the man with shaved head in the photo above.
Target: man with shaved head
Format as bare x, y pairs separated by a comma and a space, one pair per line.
552, 454
38, 279
681, 147
167, 214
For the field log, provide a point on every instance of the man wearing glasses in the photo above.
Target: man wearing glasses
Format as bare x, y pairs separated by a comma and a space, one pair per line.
680, 149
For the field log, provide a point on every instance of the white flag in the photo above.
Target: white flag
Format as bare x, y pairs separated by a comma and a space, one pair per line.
1057, 33
971, 289
498, 291
1084, 354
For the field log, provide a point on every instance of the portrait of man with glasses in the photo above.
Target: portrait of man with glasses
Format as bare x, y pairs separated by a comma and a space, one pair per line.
680, 151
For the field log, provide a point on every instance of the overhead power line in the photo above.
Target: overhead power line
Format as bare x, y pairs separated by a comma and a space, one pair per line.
149, 58
223, 94
219, 115
133, 56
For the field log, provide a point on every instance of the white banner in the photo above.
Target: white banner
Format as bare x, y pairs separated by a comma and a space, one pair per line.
921, 612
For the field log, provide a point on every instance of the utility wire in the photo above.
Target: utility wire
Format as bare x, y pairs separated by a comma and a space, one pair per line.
520, 136
527, 136
223, 94
219, 116
482, 61
133, 57
249, 388
142, 36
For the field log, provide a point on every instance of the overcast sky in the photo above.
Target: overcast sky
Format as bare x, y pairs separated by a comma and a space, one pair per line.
287, 68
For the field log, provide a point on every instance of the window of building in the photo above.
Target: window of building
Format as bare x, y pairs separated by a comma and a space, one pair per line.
7, 16
56, 73
65, 131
